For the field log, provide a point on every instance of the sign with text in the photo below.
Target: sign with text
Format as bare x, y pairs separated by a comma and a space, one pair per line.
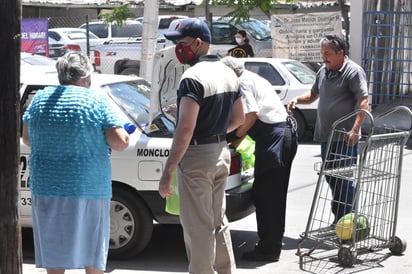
34, 36
297, 36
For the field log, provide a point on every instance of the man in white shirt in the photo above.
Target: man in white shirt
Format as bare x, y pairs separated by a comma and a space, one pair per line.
276, 145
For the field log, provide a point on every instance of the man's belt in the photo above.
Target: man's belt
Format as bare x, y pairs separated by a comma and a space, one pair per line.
208, 140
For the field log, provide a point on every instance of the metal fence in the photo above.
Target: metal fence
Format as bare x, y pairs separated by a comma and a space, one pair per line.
387, 57
67, 22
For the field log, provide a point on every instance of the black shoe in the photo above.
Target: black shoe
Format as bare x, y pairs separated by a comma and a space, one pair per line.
257, 255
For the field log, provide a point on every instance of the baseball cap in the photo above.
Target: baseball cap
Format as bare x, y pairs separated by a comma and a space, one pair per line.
192, 27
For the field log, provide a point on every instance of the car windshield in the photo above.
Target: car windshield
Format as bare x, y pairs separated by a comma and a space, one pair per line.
37, 60
301, 72
133, 98
257, 29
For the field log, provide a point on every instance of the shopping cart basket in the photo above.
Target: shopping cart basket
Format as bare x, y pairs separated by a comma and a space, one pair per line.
374, 173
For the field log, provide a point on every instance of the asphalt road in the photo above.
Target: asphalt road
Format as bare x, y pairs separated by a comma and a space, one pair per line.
166, 253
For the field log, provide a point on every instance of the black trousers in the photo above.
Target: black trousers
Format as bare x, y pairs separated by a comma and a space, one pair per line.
271, 184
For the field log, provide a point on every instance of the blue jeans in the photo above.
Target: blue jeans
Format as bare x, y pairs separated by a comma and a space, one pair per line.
342, 190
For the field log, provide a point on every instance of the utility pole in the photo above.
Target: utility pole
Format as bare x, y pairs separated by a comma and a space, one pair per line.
149, 41
10, 231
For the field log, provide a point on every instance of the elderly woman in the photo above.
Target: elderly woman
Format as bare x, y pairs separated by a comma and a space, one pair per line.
70, 129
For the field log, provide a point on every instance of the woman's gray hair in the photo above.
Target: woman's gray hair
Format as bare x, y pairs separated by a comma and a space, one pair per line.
234, 64
72, 67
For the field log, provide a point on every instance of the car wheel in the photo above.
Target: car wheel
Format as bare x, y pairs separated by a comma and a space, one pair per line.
301, 124
131, 224
130, 71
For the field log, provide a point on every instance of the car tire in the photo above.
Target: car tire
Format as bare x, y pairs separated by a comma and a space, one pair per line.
130, 71
131, 224
301, 124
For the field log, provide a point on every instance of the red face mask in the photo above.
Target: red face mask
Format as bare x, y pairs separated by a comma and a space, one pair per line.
184, 53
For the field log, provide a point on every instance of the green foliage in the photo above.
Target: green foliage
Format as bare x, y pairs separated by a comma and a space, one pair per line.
117, 16
241, 8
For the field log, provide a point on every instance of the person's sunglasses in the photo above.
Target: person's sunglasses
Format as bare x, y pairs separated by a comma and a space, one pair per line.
337, 41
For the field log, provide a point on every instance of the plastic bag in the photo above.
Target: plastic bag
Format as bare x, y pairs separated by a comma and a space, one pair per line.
172, 203
247, 149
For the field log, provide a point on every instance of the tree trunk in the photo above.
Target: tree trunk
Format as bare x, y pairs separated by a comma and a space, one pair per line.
10, 233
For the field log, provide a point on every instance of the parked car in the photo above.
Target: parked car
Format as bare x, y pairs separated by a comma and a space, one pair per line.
129, 30
136, 203
56, 49
289, 78
117, 57
71, 39
163, 23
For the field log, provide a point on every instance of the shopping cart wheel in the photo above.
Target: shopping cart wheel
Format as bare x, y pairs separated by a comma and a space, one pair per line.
346, 256
398, 247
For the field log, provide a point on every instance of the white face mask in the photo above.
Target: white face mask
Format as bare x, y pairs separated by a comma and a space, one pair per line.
239, 40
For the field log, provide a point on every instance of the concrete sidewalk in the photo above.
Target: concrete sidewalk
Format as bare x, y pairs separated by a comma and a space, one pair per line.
166, 254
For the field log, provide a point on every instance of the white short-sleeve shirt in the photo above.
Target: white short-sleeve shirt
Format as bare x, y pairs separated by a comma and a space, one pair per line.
260, 97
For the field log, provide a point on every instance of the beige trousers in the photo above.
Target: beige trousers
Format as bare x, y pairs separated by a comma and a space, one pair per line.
202, 176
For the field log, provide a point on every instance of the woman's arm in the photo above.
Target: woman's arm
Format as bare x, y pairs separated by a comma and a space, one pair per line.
117, 138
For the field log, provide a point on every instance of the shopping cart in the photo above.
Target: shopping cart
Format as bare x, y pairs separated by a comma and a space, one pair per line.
371, 209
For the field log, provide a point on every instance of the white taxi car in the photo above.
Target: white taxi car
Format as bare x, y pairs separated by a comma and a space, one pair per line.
136, 171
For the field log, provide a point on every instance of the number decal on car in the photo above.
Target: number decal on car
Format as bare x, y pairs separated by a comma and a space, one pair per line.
24, 173
26, 201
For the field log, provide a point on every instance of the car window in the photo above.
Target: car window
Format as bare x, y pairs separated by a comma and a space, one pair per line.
134, 99
267, 71
165, 22
223, 33
76, 35
54, 35
100, 30
51, 40
301, 72
128, 30
257, 29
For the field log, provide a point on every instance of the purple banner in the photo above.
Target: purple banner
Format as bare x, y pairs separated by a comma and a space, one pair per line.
34, 36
